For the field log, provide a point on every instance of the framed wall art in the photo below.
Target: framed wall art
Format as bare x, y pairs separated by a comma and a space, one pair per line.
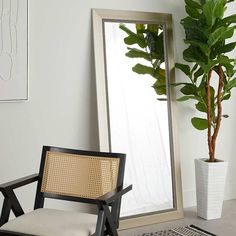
13, 50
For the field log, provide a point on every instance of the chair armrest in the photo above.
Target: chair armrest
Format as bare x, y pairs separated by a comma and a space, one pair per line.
19, 182
114, 194
10, 200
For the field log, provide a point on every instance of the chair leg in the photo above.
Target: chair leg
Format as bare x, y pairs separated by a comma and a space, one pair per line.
15, 205
6, 208
110, 223
115, 211
100, 223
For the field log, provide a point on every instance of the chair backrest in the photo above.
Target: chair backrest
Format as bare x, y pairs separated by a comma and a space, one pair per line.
76, 173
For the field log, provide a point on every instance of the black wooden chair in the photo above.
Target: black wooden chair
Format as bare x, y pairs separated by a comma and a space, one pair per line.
72, 175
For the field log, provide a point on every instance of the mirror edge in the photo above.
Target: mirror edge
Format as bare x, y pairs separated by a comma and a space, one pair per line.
98, 16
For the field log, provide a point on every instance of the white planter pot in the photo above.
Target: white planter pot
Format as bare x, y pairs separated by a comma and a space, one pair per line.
210, 185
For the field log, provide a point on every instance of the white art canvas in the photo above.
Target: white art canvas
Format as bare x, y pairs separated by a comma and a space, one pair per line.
13, 50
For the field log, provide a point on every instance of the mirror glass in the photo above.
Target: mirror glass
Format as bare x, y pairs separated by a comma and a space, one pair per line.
135, 107
138, 115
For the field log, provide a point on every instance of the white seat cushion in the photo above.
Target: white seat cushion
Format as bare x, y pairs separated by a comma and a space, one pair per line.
50, 222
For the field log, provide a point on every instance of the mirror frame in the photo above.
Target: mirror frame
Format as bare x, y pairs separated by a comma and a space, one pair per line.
99, 17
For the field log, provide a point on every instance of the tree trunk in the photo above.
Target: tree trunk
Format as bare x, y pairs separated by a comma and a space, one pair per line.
212, 139
219, 107
208, 95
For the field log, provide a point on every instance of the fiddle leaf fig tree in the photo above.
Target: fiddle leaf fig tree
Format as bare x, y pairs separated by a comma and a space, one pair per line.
146, 42
212, 74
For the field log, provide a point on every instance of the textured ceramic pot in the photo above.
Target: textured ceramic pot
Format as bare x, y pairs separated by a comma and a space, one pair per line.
210, 186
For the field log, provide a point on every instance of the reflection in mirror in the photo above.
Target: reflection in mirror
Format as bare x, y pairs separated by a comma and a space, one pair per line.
138, 120
149, 45
133, 72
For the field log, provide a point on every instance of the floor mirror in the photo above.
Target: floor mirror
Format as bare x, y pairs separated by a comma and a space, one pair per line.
134, 67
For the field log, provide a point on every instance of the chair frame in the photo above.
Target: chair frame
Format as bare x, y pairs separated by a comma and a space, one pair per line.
108, 204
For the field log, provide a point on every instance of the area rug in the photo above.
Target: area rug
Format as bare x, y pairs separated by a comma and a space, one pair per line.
190, 230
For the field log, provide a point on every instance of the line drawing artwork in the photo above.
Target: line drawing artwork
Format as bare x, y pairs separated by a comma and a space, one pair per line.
5, 52
13, 50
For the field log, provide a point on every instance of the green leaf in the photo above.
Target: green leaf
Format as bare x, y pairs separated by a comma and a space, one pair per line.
212, 93
202, 90
185, 98
193, 4
204, 47
208, 11
224, 49
201, 107
228, 20
160, 90
133, 38
203, 95
198, 73
159, 47
193, 29
225, 116
184, 68
194, 68
226, 97
202, 2
202, 85
140, 27
159, 73
220, 34
189, 89
193, 12
199, 123
150, 40
226, 62
137, 53
219, 9
160, 86
154, 28
127, 30
192, 54
231, 84
142, 69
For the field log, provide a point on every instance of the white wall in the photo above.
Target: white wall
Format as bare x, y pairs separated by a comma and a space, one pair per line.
62, 106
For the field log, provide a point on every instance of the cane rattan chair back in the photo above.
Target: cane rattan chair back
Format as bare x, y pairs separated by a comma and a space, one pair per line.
66, 173
79, 175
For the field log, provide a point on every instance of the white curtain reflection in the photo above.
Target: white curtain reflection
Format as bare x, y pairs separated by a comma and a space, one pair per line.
139, 128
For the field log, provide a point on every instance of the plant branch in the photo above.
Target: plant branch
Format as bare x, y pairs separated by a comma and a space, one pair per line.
208, 94
219, 107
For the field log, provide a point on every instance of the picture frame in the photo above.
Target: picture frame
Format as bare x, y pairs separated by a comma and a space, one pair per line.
14, 83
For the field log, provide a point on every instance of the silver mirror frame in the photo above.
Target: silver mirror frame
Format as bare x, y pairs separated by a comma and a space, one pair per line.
99, 16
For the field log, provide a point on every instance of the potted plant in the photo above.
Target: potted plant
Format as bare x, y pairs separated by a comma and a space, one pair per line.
211, 79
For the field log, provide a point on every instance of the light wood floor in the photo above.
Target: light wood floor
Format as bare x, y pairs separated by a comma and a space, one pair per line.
226, 226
